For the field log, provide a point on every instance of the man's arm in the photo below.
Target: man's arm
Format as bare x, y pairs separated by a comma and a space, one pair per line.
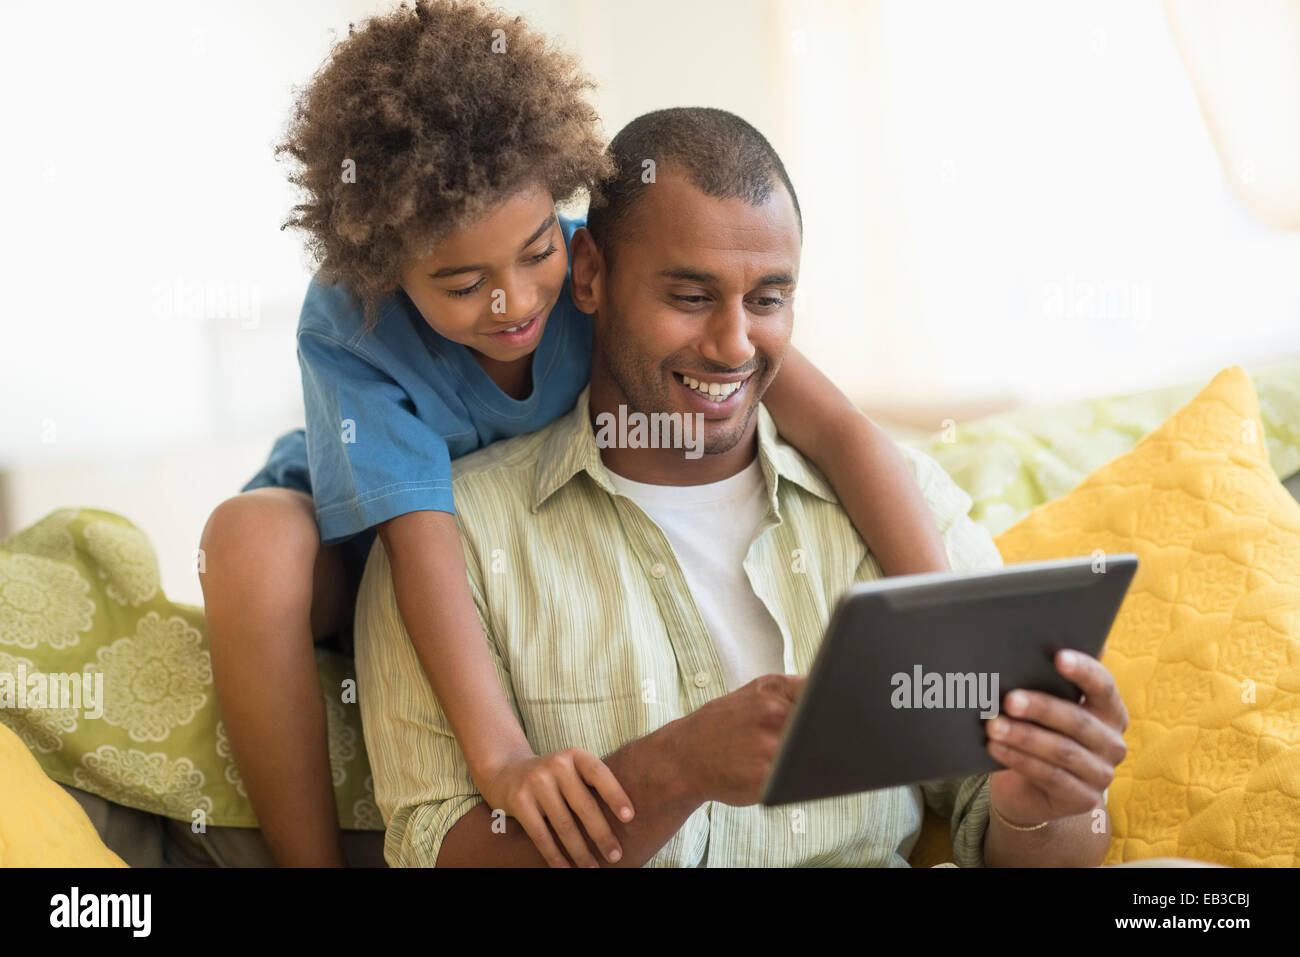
647, 769
1067, 842
1059, 758
720, 752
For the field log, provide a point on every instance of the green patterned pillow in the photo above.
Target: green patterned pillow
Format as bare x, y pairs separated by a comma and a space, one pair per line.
81, 607
1013, 462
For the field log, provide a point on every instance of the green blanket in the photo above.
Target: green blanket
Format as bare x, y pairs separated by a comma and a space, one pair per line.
81, 608
80, 595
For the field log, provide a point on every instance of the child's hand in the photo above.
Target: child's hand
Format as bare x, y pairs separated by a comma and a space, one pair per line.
534, 790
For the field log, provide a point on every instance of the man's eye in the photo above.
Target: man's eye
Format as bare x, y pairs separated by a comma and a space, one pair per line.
464, 292
771, 302
691, 299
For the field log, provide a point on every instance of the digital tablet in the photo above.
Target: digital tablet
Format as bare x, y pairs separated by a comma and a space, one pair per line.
912, 666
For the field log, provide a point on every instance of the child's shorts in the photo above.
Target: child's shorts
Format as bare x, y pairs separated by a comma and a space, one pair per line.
286, 467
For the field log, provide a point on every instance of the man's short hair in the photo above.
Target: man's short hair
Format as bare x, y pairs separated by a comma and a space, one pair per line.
717, 151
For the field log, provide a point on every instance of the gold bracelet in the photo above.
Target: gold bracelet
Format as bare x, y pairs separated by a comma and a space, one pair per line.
1015, 827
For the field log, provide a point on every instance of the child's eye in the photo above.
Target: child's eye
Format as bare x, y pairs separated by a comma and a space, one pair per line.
466, 291
550, 251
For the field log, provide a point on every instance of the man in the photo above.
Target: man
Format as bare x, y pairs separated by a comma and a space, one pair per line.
656, 608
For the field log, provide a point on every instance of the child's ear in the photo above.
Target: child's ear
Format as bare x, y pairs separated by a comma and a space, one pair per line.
587, 271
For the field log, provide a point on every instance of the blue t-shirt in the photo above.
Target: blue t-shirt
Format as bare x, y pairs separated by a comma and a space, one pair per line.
388, 410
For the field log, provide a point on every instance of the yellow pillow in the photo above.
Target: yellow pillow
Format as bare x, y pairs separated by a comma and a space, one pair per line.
1206, 647
41, 825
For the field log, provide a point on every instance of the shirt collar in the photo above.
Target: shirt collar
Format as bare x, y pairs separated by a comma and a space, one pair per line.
571, 448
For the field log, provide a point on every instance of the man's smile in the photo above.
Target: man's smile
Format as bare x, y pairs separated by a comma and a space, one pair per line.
717, 396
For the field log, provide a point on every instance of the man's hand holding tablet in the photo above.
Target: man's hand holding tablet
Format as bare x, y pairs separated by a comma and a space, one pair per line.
1059, 756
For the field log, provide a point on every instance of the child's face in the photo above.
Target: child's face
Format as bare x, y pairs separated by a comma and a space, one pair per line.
491, 285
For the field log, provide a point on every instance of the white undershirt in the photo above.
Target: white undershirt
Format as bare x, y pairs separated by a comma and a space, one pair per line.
710, 528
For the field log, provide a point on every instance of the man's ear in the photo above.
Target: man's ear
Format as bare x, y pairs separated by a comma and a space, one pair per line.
587, 271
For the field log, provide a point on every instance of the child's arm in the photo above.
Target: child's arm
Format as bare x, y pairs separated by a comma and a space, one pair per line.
862, 462
433, 597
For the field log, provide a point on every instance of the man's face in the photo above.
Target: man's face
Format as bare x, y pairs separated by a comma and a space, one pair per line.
699, 301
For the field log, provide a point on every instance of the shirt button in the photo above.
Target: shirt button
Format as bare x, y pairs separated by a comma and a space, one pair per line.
701, 679
658, 570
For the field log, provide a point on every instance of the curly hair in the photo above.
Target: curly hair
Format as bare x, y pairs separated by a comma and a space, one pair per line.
445, 107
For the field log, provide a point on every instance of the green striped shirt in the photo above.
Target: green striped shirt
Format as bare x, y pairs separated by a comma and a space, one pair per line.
597, 641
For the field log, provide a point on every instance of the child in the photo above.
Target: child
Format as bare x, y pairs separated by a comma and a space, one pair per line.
434, 146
